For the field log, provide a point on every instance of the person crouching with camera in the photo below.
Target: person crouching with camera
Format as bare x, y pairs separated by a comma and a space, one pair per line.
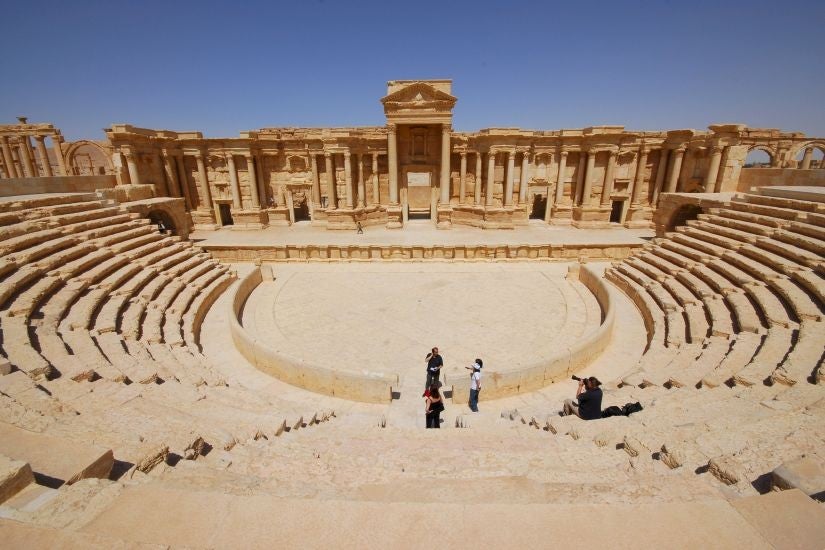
588, 402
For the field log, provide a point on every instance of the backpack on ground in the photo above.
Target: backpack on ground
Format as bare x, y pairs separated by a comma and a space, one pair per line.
631, 408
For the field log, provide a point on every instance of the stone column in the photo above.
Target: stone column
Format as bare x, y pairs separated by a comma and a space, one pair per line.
477, 186
588, 177
168, 165
11, 169
523, 181
376, 191
44, 156
266, 198
491, 174
661, 170
58, 154
640, 176
254, 192
509, 178
23, 159
332, 201
445, 165
675, 168
392, 158
560, 177
131, 164
720, 174
713, 169
362, 188
576, 195
184, 179
462, 186
607, 187
233, 182
203, 181
348, 180
806, 158
316, 182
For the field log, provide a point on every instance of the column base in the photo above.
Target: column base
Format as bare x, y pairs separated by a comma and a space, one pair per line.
349, 218
203, 220
591, 216
395, 216
244, 220
484, 217
639, 217
561, 214
444, 215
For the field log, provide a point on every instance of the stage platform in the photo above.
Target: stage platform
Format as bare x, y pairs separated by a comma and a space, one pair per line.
421, 241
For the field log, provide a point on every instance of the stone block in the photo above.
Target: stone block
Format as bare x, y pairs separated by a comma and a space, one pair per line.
15, 475
806, 474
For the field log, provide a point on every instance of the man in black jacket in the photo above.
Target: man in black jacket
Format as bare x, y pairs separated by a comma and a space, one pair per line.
589, 396
434, 364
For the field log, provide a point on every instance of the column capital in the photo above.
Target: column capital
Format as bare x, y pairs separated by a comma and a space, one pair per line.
39, 138
392, 127
347, 154
446, 128
327, 154
563, 154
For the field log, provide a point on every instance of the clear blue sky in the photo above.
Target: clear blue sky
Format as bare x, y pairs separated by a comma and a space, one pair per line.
223, 67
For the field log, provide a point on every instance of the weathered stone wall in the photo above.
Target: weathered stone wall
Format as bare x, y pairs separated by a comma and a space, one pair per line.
55, 184
362, 386
763, 177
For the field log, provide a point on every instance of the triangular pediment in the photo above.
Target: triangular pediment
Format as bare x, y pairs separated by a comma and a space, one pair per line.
418, 93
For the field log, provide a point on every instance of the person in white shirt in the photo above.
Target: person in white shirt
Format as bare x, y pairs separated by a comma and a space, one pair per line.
475, 383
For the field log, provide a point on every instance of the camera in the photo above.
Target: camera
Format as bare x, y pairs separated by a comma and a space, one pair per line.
576, 378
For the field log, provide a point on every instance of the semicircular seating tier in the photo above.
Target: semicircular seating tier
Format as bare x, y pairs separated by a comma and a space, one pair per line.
100, 317
107, 377
735, 297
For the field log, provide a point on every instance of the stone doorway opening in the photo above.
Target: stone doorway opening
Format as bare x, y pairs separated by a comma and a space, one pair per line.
539, 207
616, 212
225, 214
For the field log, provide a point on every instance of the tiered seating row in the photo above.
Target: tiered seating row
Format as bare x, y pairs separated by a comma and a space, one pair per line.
739, 293
78, 280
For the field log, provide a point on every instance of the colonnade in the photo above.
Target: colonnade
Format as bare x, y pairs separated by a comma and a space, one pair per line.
19, 159
355, 189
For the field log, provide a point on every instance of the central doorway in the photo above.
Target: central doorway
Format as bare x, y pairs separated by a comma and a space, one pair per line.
419, 195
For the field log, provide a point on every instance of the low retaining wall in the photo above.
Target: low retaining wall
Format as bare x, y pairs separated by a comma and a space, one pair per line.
562, 365
362, 386
336, 252
55, 184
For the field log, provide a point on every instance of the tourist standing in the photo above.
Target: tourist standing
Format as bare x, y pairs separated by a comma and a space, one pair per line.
589, 396
434, 407
475, 383
434, 364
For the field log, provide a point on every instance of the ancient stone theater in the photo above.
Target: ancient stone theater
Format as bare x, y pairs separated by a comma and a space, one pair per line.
224, 342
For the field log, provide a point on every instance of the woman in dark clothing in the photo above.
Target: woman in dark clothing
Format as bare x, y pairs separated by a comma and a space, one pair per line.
589, 396
435, 404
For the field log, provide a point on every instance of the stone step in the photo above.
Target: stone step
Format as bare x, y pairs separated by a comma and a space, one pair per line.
219, 520
54, 460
